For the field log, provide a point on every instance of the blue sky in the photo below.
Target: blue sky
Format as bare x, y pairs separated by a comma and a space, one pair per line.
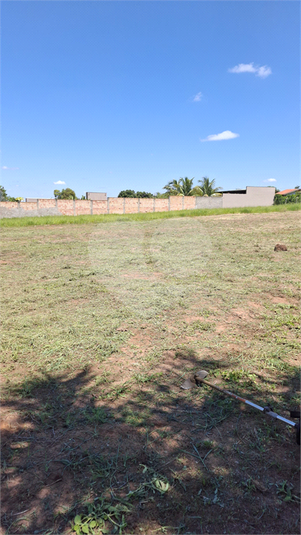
105, 96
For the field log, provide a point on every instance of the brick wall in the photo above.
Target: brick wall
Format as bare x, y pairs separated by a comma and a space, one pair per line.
176, 203
115, 205
189, 203
82, 207
99, 207
161, 205
131, 206
65, 207
9, 205
146, 205
46, 203
27, 205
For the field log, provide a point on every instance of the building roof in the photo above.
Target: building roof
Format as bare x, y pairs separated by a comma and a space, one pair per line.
234, 191
287, 191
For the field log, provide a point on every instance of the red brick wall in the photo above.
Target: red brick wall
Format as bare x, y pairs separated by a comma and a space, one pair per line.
100, 207
82, 207
116, 205
189, 203
46, 203
131, 206
65, 207
28, 205
176, 202
146, 205
10, 205
161, 205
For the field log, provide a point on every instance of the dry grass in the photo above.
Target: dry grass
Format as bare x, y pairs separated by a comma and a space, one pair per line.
101, 323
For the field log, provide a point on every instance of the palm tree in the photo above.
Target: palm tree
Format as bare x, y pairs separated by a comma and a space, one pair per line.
183, 186
173, 187
207, 187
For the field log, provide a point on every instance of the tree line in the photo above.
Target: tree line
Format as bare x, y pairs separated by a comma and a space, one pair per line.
183, 186
5, 197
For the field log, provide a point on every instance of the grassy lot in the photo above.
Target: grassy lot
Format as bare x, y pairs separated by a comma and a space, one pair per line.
101, 325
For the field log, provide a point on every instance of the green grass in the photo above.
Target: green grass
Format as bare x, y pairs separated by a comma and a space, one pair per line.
107, 218
100, 326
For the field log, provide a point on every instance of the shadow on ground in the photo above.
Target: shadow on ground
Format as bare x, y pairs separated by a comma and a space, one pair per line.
146, 457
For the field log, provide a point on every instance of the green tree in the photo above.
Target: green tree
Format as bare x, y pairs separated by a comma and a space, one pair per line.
127, 193
173, 187
144, 195
4, 197
132, 194
183, 186
159, 195
3, 194
65, 194
287, 199
207, 187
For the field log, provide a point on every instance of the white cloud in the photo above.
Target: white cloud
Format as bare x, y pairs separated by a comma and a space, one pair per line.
270, 180
9, 168
198, 97
262, 71
59, 182
227, 134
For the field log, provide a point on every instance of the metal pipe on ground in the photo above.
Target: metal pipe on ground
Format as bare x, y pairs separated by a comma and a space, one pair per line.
200, 378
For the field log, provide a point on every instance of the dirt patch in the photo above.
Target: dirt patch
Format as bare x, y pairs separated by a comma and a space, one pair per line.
93, 416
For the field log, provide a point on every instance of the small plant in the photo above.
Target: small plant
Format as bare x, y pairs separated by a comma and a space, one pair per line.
208, 444
96, 517
250, 487
95, 415
284, 490
202, 326
103, 378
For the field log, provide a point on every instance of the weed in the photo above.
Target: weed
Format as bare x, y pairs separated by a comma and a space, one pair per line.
103, 378
284, 490
95, 415
249, 485
201, 326
98, 514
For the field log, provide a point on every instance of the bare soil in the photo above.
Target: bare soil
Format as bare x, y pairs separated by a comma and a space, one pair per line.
101, 326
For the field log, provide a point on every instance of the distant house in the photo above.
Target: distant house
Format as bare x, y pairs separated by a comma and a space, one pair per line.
288, 191
95, 196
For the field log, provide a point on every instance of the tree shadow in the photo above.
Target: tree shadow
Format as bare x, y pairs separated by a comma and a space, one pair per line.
145, 456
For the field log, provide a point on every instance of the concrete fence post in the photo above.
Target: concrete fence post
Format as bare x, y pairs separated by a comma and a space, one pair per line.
108, 205
91, 207
138, 205
56, 203
37, 204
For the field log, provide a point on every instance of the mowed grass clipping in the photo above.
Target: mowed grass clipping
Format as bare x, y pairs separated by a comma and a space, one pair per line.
109, 218
101, 325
